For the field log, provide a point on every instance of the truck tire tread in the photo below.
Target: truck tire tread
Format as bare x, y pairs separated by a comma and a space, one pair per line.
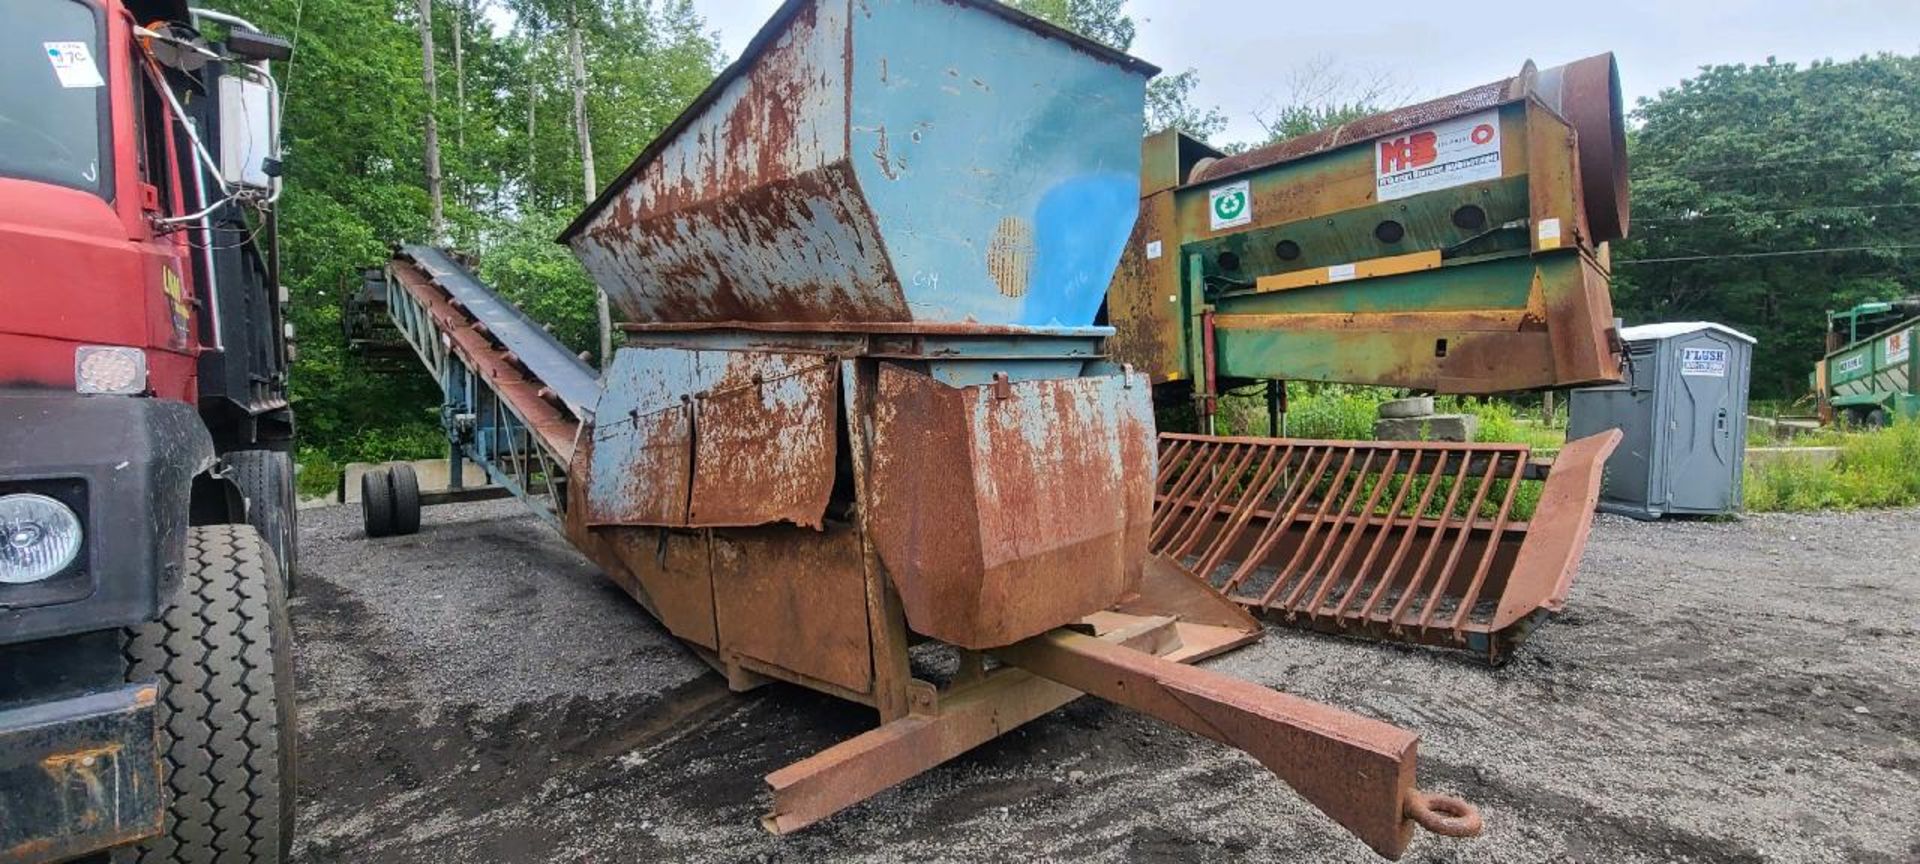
376, 501
223, 656
406, 498
266, 477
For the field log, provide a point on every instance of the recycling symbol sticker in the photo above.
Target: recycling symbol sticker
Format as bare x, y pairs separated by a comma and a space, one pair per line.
1231, 205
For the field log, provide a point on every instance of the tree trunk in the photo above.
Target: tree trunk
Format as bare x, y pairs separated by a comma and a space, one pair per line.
437, 220
582, 127
460, 18
584, 131
533, 101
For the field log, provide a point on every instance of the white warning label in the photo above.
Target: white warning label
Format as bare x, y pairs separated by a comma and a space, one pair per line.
1451, 153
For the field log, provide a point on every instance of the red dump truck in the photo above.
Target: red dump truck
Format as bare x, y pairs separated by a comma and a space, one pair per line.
146, 489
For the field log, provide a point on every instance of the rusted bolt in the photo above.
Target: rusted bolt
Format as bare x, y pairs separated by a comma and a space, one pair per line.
1002, 389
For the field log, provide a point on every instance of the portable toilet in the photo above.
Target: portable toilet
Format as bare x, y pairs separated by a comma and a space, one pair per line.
1683, 410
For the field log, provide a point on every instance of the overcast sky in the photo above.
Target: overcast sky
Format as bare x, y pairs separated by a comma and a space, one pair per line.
1247, 51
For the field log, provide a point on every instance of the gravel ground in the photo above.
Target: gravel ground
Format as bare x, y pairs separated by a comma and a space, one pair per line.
1717, 691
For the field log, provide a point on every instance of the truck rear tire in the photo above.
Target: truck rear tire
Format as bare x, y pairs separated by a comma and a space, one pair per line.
1877, 419
222, 652
266, 478
376, 501
406, 498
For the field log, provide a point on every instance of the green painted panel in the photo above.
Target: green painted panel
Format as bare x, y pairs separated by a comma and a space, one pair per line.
1491, 284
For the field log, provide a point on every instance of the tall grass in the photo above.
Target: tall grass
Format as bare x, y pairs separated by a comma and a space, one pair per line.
1876, 468
320, 471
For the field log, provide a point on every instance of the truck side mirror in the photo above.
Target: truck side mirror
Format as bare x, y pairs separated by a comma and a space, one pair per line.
256, 46
249, 128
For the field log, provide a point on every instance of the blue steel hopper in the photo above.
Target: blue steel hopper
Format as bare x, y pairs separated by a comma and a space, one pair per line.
897, 161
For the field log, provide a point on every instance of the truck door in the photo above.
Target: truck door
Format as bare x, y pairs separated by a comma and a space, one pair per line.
170, 297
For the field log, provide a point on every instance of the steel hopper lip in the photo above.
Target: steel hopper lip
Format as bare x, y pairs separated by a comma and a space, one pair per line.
771, 31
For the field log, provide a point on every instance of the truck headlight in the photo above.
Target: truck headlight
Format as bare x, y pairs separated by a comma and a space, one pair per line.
38, 538
109, 369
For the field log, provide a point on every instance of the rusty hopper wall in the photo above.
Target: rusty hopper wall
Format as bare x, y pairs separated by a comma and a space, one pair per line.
927, 161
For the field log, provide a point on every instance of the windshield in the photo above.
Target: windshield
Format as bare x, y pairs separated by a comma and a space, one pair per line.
52, 93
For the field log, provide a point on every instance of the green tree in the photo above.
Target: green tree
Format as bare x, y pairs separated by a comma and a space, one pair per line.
1170, 98
355, 109
1764, 195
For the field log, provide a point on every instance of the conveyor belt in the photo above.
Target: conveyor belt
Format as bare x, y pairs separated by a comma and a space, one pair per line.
548, 361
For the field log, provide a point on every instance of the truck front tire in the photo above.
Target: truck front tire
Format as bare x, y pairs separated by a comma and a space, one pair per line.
223, 655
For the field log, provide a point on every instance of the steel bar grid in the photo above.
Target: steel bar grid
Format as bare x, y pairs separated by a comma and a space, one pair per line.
1410, 537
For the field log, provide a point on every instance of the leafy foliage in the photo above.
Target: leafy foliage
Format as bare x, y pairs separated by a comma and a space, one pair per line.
354, 116
1741, 164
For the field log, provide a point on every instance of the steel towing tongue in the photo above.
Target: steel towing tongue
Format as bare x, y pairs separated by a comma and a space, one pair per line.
1357, 770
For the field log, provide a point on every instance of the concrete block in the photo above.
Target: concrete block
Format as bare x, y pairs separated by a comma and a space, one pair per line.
1433, 427
432, 473
1412, 406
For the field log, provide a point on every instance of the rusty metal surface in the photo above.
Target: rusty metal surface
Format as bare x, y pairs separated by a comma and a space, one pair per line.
1410, 541
899, 328
1543, 571
79, 775
1355, 769
671, 573
1586, 93
956, 721
764, 440
856, 163
1005, 510
796, 599
1167, 588
1364, 129
1147, 322
692, 438
556, 425
529, 345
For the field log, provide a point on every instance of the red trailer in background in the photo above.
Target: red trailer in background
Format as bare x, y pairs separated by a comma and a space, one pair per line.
146, 484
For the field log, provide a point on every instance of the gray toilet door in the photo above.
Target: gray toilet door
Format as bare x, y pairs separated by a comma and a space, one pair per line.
1701, 455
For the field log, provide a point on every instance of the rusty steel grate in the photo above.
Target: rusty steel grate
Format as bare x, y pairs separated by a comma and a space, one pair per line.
1412, 541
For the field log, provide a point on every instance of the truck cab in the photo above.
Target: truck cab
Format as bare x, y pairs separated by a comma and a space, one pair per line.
146, 483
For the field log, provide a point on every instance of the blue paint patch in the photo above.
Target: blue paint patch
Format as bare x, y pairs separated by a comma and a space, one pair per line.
964, 125
1080, 229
